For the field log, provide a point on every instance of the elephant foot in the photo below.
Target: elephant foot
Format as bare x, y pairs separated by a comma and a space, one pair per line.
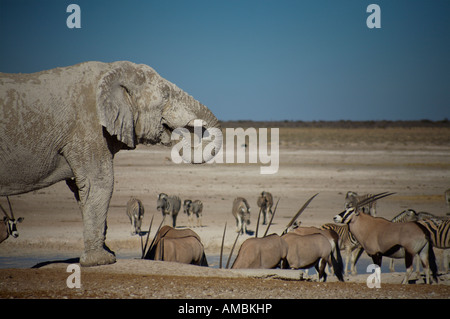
97, 257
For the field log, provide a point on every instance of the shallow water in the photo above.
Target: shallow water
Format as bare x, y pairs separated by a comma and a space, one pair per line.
213, 262
361, 266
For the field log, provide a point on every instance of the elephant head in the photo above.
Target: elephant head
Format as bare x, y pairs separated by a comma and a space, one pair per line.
136, 105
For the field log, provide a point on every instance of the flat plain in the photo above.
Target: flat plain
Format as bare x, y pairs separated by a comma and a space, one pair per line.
410, 159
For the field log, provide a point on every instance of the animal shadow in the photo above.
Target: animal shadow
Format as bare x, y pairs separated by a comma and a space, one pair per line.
61, 261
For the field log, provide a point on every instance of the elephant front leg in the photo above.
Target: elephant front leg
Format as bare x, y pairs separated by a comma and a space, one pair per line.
95, 193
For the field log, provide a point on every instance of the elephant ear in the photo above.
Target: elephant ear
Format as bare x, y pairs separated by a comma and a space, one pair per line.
115, 102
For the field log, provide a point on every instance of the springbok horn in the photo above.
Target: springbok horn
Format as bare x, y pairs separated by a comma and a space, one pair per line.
232, 249
271, 218
221, 247
298, 213
146, 240
257, 223
372, 199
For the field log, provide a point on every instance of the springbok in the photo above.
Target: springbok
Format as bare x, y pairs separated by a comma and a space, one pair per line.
9, 225
380, 237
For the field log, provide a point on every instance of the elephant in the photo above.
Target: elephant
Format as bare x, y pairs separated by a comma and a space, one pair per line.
68, 123
177, 245
265, 201
169, 206
261, 253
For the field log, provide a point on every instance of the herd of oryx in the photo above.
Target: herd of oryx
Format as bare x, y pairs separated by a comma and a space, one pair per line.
356, 229
408, 235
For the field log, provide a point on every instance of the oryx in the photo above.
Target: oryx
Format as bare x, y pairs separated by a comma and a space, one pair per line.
177, 245
261, 253
9, 224
306, 251
380, 237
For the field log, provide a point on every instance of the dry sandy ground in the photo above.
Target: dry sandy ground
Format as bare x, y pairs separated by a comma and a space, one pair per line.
338, 161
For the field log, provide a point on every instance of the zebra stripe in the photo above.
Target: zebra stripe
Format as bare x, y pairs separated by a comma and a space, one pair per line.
345, 236
405, 216
439, 231
425, 215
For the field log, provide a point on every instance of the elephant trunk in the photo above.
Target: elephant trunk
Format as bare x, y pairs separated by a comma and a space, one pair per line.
210, 142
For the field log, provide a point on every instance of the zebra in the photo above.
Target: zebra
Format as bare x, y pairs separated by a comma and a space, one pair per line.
192, 208
352, 198
407, 215
439, 232
265, 201
169, 205
347, 242
135, 212
447, 200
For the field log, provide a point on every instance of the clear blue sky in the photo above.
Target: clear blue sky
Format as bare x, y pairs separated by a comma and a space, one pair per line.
259, 60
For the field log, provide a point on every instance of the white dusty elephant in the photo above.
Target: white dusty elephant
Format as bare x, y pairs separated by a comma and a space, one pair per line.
68, 123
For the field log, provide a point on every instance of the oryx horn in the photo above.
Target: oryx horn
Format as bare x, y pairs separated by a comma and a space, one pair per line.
271, 218
257, 223
372, 199
10, 209
221, 247
298, 213
146, 240
156, 234
232, 249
